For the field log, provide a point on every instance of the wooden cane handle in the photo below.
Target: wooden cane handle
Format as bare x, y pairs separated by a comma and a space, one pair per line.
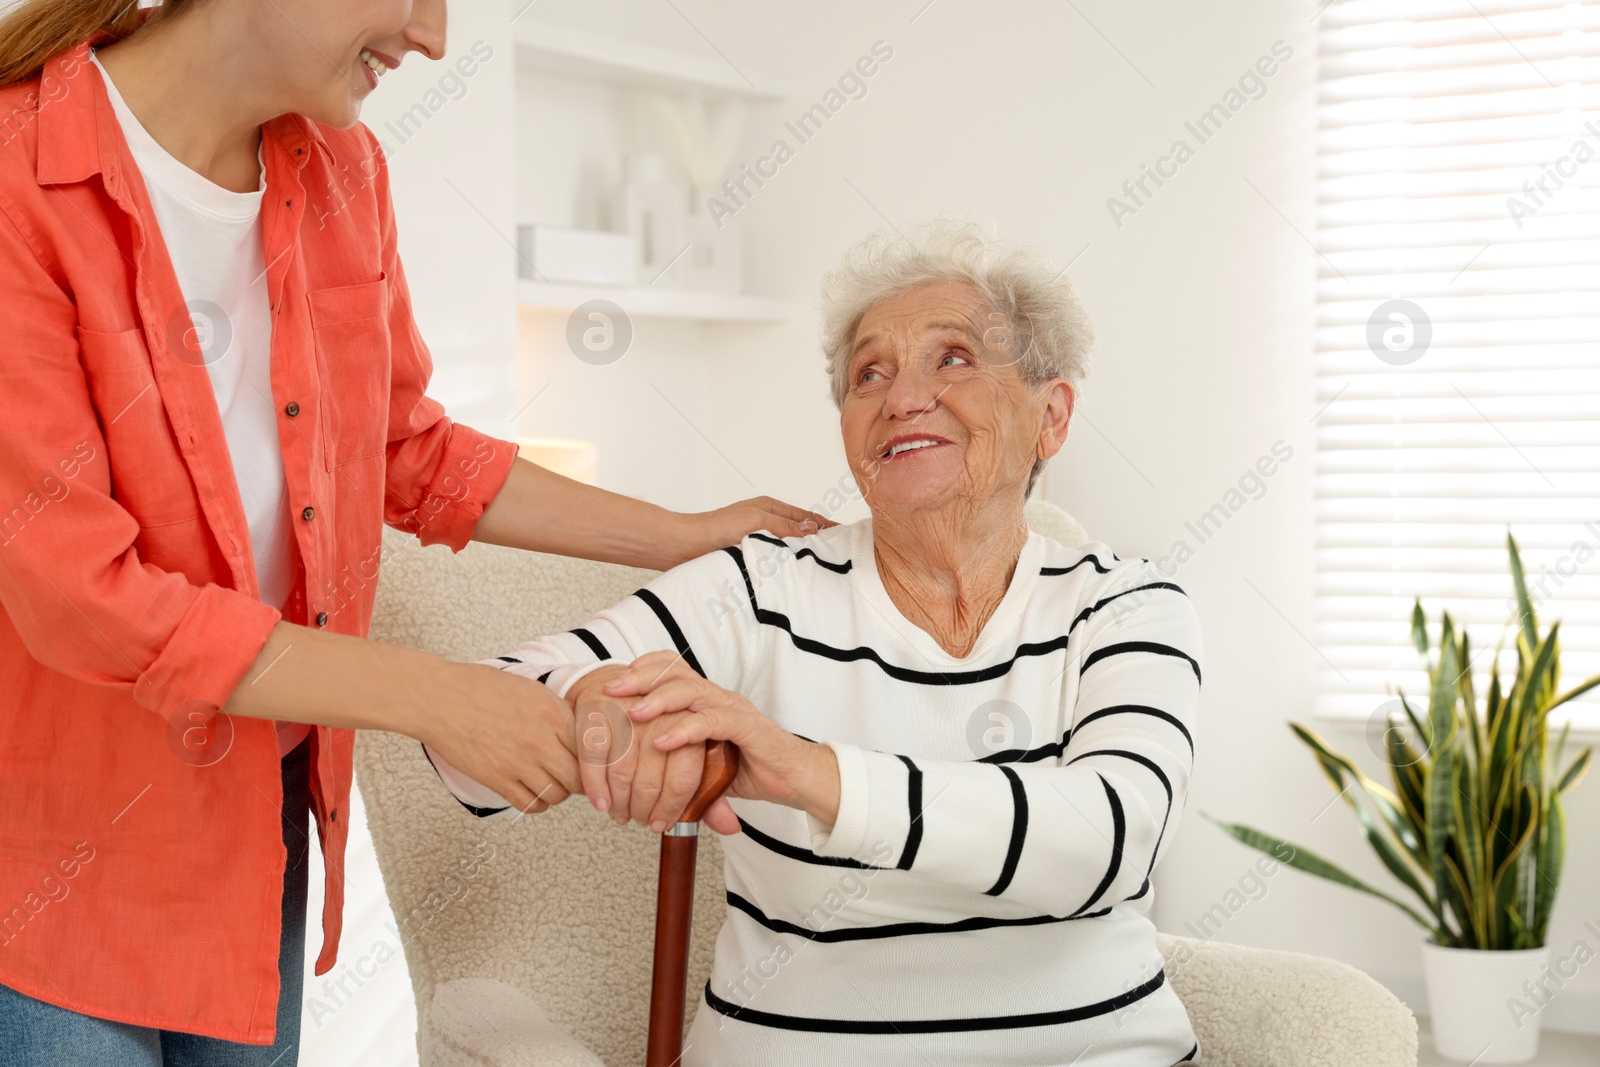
722, 764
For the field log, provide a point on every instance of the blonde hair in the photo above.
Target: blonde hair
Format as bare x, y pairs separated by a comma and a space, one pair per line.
36, 30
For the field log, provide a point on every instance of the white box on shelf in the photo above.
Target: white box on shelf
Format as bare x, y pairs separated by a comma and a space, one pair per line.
558, 254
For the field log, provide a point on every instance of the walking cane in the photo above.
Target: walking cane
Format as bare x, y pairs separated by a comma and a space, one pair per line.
675, 908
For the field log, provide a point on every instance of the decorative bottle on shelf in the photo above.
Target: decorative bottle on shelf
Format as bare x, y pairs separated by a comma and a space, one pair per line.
703, 133
716, 249
652, 206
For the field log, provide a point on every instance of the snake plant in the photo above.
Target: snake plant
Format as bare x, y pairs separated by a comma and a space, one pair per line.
1472, 825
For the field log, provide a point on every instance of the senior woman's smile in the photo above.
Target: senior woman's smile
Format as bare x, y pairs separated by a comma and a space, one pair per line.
1007, 920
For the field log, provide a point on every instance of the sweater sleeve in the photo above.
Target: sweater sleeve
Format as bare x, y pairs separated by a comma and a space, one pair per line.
1069, 837
701, 609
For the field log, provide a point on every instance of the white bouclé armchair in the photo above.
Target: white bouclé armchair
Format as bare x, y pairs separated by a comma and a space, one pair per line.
529, 940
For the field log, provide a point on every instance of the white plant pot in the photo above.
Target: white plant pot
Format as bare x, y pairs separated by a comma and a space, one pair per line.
1472, 995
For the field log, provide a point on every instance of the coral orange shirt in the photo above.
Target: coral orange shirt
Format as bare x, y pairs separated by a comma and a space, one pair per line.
141, 856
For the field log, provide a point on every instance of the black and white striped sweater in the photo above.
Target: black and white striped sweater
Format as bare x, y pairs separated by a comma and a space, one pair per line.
982, 896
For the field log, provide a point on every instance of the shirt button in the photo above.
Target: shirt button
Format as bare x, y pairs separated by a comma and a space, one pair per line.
308, 514
322, 618
291, 409
333, 816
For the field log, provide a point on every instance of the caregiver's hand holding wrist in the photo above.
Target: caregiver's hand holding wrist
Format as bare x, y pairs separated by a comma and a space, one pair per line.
504, 730
774, 764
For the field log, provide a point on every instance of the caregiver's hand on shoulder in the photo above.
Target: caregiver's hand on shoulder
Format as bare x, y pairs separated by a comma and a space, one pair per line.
623, 772
508, 732
774, 764
712, 530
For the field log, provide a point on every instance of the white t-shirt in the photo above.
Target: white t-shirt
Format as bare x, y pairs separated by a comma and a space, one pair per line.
213, 236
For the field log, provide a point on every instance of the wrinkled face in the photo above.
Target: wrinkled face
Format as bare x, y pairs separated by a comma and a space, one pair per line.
323, 47
936, 413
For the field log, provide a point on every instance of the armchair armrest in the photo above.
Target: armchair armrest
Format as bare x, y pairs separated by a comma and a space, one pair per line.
1254, 1007
481, 1022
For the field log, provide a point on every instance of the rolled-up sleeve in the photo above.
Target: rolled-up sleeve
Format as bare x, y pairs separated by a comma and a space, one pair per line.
71, 579
440, 475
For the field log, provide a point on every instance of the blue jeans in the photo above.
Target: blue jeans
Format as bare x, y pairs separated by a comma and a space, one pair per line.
36, 1034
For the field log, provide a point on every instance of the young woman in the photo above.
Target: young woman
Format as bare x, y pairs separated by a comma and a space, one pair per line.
214, 399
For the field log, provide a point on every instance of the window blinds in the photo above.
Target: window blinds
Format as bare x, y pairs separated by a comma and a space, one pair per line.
1458, 331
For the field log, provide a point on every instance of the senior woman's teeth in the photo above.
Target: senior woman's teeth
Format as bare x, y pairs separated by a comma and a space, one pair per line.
909, 446
374, 62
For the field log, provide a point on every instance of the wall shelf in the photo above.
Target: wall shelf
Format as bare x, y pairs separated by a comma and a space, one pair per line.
577, 54
644, 302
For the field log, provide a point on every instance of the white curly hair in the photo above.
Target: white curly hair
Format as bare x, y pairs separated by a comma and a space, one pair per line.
1021, 283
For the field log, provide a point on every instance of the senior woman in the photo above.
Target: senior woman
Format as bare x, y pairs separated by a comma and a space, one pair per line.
189, 540
901, 894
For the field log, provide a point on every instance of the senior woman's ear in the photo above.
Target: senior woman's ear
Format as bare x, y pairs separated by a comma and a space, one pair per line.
1059, 400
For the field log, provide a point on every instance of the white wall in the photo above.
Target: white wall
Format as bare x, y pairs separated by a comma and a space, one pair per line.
453, 186
1032, 115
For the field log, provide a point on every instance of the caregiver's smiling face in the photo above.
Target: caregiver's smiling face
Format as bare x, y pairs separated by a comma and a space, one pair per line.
325, 47
936, 410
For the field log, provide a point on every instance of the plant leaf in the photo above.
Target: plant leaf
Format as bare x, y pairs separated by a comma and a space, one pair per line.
1419, 725
1386, 802
1442, 698
1574, 772
1504, 742
1419, 627
1493, 706
1508, 877
1460, 895
1541, 677
1441, 730
1440, 812
1521, 936
1547, 874
1310, 863
1408, 774
1529, 622
1337, 766
1576, 691
1469, 839
1468, 698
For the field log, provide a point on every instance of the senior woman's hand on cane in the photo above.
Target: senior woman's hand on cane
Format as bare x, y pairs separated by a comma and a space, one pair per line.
624, 774
774, 764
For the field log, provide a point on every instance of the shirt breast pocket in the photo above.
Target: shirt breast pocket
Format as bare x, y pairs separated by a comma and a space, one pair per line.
148, 475
350, 325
